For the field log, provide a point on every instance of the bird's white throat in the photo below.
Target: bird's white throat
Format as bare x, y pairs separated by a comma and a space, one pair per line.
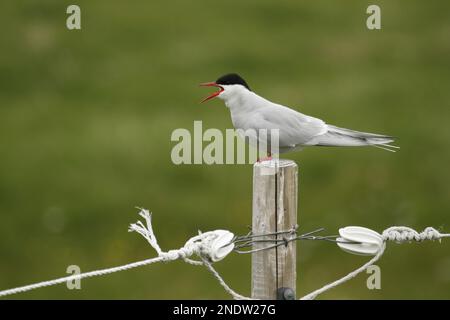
235, 96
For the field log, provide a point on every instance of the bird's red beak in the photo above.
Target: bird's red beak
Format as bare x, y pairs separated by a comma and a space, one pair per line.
215, 94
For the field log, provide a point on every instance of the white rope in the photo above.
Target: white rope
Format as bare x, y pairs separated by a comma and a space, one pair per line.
209, 246
235, 295
201, 245
351, 275
397, 234
194, 245
406, 234
79, 276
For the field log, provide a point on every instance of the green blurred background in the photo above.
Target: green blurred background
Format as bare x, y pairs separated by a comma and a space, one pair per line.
86, 118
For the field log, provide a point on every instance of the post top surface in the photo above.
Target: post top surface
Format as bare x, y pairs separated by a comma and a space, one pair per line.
280, 163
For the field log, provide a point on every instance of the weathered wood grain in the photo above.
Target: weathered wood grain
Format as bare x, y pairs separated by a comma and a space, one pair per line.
275, 186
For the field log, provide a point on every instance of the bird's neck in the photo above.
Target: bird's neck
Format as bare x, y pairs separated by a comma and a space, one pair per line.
243, 102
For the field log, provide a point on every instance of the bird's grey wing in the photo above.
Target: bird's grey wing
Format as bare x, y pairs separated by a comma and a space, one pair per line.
294, 127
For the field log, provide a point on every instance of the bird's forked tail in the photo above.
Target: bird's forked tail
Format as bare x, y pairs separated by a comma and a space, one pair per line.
341, 137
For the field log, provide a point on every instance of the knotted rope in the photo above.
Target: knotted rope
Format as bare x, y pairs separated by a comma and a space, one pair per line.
405, 234
207, 246
213, 246
397, 234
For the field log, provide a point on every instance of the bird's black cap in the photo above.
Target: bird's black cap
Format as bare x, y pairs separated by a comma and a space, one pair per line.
232, 78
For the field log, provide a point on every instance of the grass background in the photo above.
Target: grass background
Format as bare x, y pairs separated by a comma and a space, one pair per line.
86, 118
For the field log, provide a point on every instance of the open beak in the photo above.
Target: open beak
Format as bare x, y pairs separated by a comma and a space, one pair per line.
215, 94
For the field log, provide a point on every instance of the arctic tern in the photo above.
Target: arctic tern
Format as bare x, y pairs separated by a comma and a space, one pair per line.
295, 130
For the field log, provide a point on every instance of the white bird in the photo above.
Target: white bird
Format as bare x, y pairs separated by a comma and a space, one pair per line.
296, 130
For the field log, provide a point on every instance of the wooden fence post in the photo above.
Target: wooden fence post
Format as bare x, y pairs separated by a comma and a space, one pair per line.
275, 186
